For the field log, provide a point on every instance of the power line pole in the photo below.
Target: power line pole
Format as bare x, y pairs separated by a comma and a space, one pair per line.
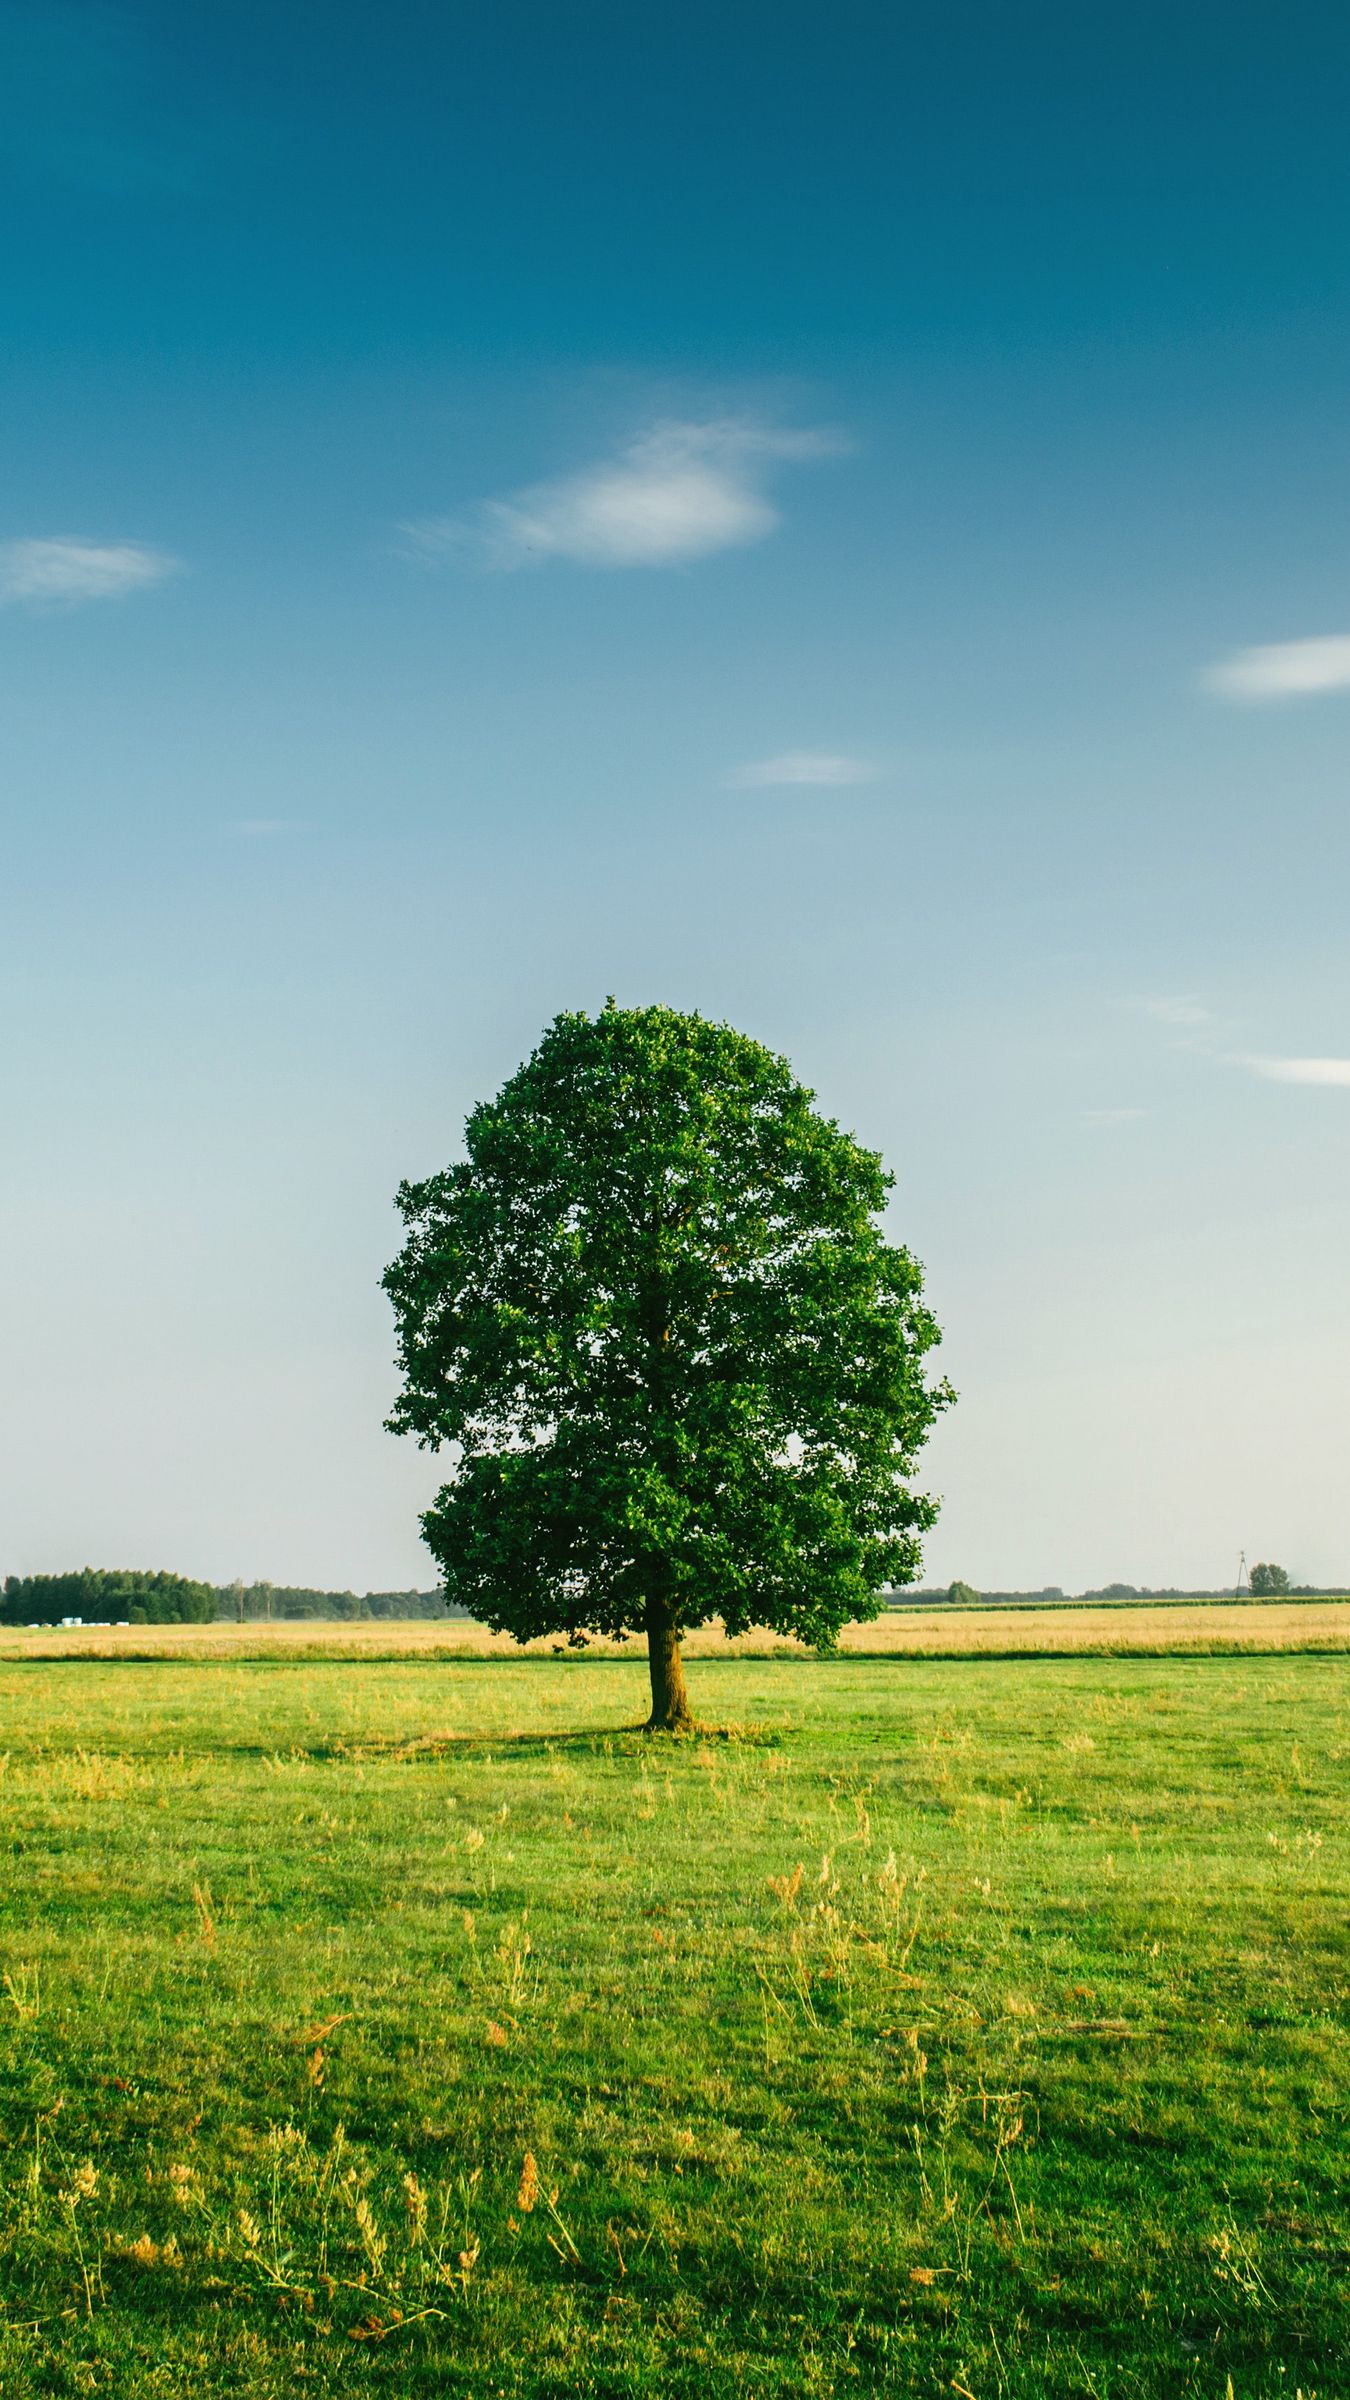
1244, 1581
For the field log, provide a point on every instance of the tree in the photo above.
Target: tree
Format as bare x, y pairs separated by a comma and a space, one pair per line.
964, 1595
680, 1365
1267, 1581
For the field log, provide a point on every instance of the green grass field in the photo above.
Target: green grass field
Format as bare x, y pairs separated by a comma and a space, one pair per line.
407, 2026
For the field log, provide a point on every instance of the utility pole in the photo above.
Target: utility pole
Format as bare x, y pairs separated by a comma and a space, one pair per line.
1244, 1581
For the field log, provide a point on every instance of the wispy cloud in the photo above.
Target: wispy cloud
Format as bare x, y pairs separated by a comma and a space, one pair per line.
1179, 1009
1299, 1070
1284, 670
801, 767
63, 571
678, 492
1198, 1030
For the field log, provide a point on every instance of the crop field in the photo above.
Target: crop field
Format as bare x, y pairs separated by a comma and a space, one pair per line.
407, 2024
1185, 1626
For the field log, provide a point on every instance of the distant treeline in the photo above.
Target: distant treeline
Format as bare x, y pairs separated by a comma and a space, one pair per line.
964, 1595
106, 1596
254, 1603
128, 1596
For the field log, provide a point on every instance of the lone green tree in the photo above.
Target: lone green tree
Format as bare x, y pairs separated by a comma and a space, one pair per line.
680, 1368
1268, 1580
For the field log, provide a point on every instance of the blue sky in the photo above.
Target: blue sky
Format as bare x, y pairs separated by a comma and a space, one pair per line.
837, 518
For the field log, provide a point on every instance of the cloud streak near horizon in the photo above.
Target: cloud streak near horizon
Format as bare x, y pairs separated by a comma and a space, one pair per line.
820, 768
62, 571
1284, 670
682, 490
1197, 1028
1300, 1070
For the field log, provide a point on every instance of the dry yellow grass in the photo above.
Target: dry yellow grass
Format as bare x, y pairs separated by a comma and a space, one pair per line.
1188, 1625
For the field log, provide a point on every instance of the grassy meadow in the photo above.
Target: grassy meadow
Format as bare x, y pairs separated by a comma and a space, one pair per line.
405, 2024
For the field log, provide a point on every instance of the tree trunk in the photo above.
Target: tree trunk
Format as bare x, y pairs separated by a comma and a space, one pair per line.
670, 1700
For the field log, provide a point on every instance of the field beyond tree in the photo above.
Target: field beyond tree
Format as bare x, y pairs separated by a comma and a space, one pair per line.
412, 2026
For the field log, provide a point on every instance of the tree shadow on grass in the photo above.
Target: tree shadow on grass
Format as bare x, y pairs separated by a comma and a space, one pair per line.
633, 1740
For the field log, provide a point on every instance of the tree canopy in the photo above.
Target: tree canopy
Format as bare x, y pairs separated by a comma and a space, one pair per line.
1269, 1580
654, 1315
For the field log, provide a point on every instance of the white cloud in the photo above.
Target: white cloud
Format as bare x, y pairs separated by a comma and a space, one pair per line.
63, 571
1284, 670
801, 766
1300, 1070
678, 492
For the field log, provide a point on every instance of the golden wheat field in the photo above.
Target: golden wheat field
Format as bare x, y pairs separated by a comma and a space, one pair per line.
932, 1633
